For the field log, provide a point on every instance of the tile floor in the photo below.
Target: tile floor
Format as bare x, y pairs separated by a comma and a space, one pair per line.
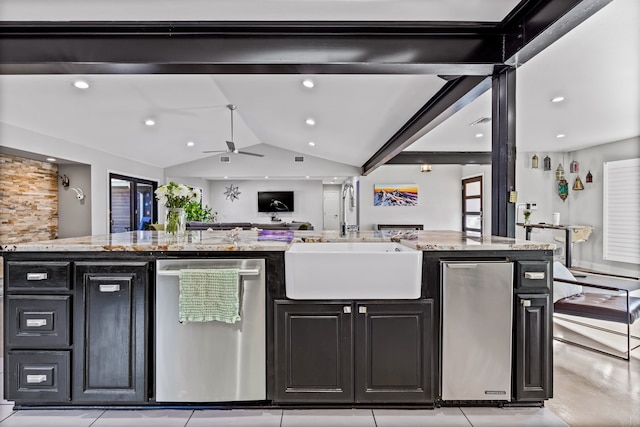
590, 390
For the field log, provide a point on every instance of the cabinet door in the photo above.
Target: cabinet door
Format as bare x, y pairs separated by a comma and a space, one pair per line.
533, 352
394, 352
110, 332
313, 352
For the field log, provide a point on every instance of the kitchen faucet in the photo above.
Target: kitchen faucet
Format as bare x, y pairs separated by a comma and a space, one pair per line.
344, 226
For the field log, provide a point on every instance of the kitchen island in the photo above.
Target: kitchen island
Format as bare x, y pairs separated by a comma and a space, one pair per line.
80, 322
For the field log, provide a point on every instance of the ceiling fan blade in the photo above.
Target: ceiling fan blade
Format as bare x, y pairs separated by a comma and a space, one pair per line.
215, 151
251, 154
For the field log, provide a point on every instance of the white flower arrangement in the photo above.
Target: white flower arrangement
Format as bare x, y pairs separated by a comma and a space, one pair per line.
175, 195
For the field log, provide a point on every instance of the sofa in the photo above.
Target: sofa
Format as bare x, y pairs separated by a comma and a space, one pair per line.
294, 225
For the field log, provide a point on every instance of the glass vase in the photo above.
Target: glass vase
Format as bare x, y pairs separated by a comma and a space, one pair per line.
175, 222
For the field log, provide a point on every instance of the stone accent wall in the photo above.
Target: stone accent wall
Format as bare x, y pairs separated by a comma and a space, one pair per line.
28, 200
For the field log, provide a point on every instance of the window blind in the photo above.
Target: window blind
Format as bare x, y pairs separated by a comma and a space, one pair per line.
621, 188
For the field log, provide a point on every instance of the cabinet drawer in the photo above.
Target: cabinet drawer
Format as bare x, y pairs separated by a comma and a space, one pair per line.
40, 376
531, 275
38, 276
38, 321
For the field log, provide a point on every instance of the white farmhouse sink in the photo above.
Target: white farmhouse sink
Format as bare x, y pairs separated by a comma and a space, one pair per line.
352, 270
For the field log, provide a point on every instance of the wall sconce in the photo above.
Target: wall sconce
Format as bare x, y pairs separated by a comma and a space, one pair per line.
425, 168
534, 162
65, 180
547, 163
79, 193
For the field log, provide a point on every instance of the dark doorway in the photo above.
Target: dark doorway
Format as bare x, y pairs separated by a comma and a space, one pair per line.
132, 205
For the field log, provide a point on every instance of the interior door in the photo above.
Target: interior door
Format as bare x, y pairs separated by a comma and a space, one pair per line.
472, 205
331, 210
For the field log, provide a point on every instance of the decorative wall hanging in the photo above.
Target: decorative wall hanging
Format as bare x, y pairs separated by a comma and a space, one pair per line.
534, 162
232, 192
577, 184
574, 167
589, 177
559, 172
395, 194
563, 189
547, 163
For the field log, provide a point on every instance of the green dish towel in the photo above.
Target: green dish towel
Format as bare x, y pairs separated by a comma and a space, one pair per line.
209, 294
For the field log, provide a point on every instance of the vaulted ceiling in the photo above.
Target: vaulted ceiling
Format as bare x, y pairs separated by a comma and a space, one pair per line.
360, 98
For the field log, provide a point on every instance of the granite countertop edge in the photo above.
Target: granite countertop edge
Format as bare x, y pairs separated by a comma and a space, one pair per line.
221, 241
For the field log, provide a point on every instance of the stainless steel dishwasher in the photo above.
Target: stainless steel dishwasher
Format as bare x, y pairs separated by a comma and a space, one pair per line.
477, 307
210, 361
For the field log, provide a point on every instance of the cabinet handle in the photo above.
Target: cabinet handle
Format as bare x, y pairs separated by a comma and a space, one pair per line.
36, 276
36, 323
346, 309
362, 309
109, 288
36, 379
534, 275
525, 303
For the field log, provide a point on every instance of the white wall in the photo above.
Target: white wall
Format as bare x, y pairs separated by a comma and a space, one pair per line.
439, 197
102, 163
307, 200
581, 207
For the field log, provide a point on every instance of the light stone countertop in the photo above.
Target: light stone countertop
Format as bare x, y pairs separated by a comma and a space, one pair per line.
215, 241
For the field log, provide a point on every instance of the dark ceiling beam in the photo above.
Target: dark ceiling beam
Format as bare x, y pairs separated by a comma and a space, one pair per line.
451, 98
535, 25
250, 47
442, 158
531, 27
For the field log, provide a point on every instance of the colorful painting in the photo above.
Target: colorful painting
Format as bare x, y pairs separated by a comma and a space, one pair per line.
395, 194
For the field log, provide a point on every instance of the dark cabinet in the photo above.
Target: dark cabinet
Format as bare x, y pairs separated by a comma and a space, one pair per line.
110, 332
393, 352
373, 352
313, 352
533, 374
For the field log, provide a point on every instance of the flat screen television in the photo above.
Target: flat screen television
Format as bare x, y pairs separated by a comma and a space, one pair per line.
275, 201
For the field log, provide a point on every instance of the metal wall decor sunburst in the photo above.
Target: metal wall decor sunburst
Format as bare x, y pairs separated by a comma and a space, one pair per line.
232, 192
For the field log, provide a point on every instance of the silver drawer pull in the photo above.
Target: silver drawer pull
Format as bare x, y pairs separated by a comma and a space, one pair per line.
534, 275
526, 303
37, 276
362, 309
346, 309
36, 379
109, 288
36, 323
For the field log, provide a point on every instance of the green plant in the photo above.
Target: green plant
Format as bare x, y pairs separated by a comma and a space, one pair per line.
195, 211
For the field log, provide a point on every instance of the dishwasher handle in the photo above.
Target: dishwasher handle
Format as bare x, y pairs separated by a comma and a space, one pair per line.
464, 265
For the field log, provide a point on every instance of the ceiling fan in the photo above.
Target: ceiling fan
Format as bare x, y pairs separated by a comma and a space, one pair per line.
231, 146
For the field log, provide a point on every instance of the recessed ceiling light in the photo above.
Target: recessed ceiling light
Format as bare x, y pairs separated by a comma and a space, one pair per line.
310, 121
479, 135
307, 177
335, 177
226, 177
308, 83
190, 144
560, 135
266, 177
81, 84
149, 122
557, 99
50, 159
311, 143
